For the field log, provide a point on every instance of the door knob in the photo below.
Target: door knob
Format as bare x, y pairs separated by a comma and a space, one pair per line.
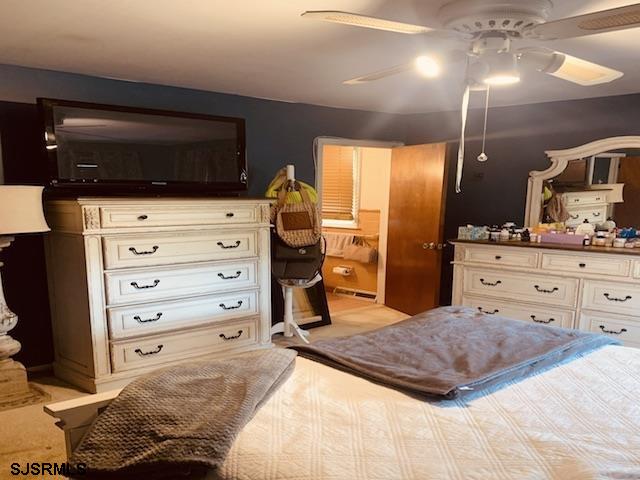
429, 246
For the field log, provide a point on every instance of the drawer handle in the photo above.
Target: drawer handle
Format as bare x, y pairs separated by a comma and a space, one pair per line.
582, 265
489, 284
231, 337
596, 214
153, 250
613, 332
150, 352
575, 217
230, 277
616, 299
498, 257
142, 287
147, 320
544, 290
230, 214
142, 217
233, 307
235, 245
533, 317
488, 312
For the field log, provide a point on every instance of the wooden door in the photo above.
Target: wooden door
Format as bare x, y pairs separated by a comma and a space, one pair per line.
626, 214
416, 220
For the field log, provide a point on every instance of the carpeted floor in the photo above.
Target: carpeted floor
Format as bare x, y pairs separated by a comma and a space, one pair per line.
28, 434
341, 303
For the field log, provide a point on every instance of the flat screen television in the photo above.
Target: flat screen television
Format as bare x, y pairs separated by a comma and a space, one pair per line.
105, 149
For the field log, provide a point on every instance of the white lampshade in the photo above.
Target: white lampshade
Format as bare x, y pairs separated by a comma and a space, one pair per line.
21, 210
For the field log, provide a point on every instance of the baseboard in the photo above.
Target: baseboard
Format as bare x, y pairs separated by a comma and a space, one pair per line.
40, 369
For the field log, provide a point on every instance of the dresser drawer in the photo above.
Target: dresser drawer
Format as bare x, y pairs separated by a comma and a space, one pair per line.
520, 257
584, 198
521, 286
176, 215
184, 247
528, 313
151, 284
151, 318
593, 264
624, 329
636, 269
596, 214
130, 354
613, 297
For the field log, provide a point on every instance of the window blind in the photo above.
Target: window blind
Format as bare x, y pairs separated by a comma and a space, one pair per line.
338, 183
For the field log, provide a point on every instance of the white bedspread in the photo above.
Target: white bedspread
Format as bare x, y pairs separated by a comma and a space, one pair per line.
580, 420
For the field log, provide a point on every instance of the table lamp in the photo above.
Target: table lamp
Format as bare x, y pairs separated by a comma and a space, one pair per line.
20, 212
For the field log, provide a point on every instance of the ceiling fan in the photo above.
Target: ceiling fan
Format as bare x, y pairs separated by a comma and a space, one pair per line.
490, 28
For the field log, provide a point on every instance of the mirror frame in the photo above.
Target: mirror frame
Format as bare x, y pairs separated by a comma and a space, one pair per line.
559, 160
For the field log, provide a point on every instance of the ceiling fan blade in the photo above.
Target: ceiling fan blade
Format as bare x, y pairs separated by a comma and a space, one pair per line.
598, 22
567, 67
354, 19
429, 66
387, 72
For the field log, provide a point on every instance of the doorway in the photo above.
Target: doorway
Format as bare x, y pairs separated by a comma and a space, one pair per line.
383, 208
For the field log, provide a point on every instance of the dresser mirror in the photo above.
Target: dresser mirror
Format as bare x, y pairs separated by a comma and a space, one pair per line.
593, 182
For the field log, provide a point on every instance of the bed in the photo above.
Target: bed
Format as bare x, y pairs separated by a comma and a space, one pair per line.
580, 419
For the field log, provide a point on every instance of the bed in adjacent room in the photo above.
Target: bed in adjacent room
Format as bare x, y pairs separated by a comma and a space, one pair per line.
578, 418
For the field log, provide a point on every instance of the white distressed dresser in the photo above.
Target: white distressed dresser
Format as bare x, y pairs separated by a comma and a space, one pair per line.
591, 288
592, 206
138, 283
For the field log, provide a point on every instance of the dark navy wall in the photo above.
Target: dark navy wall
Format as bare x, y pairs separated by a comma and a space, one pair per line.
280, 133
277, 133
494, 192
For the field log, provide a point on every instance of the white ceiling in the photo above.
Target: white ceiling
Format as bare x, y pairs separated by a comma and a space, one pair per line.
263, 48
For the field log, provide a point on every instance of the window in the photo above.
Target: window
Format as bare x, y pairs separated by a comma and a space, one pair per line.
340, 186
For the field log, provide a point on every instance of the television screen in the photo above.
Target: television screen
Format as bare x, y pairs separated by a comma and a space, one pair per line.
142, 149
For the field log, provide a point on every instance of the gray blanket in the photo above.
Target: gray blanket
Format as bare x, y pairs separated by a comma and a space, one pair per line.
451, 350
181, 420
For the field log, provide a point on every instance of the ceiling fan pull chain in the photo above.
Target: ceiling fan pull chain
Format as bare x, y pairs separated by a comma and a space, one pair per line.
483, 156
464, 111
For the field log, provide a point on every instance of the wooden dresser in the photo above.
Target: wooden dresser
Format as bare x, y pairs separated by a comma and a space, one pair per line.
591, 288
140, 283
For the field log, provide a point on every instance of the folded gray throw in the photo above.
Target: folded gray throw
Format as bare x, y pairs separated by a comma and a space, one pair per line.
451, 350
183, 419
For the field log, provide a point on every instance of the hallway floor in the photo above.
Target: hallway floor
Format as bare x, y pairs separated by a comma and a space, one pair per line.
341, 303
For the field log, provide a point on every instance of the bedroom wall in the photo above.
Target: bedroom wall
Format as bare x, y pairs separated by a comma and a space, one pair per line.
277, 133
494, 192
280, 133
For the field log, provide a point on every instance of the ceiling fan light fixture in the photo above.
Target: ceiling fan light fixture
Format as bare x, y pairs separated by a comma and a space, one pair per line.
583, 72
355, 20
501, 80
427, 66
503, 69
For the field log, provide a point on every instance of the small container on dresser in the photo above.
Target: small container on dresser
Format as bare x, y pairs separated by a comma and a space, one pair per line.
138, 283
592, 289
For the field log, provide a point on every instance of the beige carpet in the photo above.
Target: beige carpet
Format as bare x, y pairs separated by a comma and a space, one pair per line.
28, 434
341, 303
